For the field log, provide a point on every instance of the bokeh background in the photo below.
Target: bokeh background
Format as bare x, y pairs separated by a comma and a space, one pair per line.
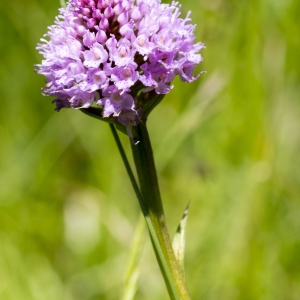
228, 144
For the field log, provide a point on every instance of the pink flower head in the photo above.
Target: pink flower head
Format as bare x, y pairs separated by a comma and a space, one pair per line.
113, 53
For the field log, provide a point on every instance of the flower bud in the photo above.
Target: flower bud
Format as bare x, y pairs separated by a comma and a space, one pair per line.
97, 14
123, 18
118, 9
103, 23
85, 11
91, 23
108, 12
136, 14
101, 37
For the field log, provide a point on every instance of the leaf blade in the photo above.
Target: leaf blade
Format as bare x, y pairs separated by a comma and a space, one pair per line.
179, 239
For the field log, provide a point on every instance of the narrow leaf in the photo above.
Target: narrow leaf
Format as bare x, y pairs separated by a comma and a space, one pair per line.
179, 239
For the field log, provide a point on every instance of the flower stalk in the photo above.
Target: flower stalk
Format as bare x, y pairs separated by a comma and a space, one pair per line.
152, 209
149, 188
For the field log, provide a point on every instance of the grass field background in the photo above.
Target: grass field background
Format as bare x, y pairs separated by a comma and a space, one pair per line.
228, 143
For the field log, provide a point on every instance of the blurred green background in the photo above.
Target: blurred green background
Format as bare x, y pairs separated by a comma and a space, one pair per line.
228, 143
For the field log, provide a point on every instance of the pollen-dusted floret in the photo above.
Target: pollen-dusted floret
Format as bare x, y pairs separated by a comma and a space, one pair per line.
113, 52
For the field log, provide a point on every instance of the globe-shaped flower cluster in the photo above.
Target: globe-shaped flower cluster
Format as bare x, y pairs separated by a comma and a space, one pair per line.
117, 54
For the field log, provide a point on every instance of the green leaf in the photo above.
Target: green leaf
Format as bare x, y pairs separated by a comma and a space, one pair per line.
179, 239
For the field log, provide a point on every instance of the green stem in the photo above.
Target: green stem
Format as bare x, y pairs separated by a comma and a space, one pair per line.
153, 209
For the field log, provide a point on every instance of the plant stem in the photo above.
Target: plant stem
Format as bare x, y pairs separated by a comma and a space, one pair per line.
144, 162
